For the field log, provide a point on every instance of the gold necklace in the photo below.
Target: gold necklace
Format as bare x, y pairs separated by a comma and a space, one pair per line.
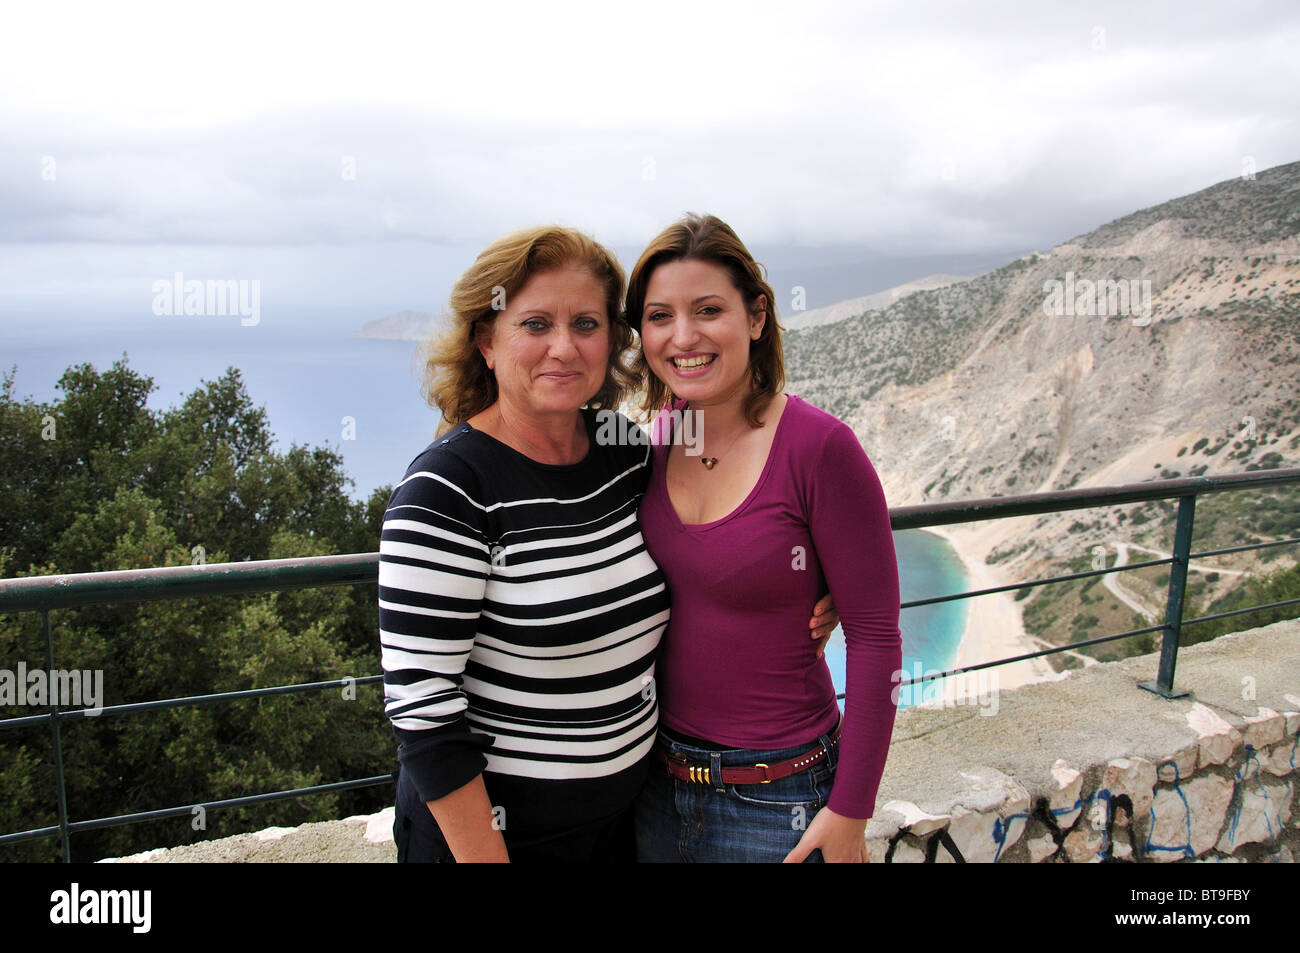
711, 462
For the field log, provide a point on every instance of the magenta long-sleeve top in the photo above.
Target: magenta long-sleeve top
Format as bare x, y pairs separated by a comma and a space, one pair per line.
737, 666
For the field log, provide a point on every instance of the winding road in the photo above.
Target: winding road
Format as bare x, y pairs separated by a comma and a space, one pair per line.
1121, 559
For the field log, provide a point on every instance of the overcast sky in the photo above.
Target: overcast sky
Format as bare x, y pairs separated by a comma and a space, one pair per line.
353, 146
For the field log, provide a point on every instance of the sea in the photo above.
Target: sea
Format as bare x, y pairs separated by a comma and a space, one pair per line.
322, 386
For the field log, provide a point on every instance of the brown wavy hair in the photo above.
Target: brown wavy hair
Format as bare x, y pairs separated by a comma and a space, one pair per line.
708, 238
457, 380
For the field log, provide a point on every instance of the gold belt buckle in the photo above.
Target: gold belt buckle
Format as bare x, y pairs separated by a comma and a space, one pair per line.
699, 773
764, 767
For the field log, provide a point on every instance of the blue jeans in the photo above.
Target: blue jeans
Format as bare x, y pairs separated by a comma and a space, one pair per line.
691, 822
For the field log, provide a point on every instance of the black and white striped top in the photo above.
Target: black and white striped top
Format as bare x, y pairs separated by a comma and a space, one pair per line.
519, 615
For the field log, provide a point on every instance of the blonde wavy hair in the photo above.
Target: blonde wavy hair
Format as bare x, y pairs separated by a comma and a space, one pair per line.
457, 380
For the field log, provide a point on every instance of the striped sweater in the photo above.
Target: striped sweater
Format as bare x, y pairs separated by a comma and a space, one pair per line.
519, 615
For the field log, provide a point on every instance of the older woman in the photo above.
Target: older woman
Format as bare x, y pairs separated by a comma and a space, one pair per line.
777, 501
519, 611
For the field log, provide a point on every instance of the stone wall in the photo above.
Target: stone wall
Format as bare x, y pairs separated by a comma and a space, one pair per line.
1088, 767
1081, 768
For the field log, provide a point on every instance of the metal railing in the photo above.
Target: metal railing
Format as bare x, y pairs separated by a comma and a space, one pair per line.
45, 593
1184, 489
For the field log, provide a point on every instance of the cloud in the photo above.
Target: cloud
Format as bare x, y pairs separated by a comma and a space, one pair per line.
922, 129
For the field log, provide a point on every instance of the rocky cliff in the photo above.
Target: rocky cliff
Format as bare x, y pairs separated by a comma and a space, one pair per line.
1164, 343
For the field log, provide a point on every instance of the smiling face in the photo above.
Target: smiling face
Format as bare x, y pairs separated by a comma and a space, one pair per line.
696, 331
550, 346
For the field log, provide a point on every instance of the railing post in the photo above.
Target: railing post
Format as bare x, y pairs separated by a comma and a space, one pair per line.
1164, 683
58, 739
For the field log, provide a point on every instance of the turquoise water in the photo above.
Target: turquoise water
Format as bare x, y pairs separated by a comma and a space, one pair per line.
927, 566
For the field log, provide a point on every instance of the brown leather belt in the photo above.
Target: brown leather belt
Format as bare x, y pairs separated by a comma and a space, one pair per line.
760, 773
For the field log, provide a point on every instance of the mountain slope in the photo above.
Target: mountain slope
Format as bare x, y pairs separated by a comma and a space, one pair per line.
974, 390
872, 302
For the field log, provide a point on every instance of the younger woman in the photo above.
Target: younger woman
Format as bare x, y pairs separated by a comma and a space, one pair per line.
775, 502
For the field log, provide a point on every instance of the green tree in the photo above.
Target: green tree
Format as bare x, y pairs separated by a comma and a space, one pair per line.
1277, 586
115, 485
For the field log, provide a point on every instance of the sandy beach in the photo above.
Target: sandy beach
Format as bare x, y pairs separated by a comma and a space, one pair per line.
994, 627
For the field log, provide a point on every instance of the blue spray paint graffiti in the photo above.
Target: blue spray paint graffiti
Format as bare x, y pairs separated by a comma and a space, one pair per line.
1000, 831
1185, 848
1236, 800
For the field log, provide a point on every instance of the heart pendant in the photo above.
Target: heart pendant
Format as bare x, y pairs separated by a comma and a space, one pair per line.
708, 462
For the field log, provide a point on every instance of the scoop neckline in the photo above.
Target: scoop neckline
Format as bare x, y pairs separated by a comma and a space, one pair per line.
758, 485
588, 421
